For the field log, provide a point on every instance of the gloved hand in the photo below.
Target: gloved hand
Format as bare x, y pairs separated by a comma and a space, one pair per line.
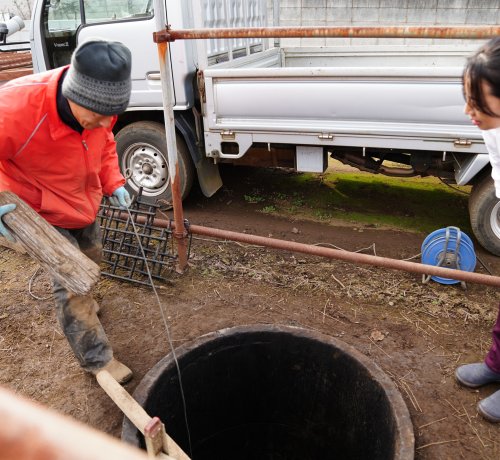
3, 230
120, 198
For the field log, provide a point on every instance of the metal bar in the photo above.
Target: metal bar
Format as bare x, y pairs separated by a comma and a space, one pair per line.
464, 32
173, 163
13, 44
276, 20
126, 278
347, 256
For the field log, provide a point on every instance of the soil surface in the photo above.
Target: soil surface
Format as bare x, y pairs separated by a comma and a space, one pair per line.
417, 333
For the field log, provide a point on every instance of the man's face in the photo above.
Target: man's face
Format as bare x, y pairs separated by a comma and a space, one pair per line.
480, 119
89, 119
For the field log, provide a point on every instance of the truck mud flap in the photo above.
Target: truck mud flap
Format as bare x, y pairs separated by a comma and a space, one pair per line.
208, 176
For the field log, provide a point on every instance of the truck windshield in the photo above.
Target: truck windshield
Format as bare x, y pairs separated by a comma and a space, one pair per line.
61, 20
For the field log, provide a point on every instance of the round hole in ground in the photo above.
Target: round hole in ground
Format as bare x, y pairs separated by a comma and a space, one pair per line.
276, 392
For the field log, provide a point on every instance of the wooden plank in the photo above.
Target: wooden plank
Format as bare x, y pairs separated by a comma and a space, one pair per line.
14, 65
13, 60
136, 413
65, 262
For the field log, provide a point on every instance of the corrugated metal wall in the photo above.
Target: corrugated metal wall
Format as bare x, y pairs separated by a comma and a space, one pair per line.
233, 13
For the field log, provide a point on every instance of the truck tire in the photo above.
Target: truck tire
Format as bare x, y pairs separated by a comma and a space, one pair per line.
143, 158
483, 211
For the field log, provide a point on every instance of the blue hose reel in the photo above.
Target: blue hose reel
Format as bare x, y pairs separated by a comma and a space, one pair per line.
449, 248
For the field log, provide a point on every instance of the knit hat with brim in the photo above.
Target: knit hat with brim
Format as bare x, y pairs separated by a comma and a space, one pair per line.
99, 77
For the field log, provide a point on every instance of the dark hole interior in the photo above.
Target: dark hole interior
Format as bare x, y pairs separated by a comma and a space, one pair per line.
271, 395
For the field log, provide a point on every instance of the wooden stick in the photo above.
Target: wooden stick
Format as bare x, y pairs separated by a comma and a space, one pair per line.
65, 262
430, 423
135, 413
437, 443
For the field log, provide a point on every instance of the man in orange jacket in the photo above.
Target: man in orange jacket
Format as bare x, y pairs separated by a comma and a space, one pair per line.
58, 154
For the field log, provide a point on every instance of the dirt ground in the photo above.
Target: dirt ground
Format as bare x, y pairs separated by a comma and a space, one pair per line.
417, 333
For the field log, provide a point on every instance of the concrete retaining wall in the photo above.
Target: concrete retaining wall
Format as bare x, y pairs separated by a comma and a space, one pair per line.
383, 12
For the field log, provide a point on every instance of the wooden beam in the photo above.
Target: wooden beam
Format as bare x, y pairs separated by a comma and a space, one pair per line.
136, 414
65, 262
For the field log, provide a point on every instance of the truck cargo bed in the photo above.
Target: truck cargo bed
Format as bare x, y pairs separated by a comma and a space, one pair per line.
391, 97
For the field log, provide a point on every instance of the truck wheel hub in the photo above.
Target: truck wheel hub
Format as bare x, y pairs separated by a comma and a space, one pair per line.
148, 167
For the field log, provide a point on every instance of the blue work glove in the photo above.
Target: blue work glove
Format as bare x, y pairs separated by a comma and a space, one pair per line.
3, 230
120, 198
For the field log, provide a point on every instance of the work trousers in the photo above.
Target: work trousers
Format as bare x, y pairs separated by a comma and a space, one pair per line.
77, 314
493, 357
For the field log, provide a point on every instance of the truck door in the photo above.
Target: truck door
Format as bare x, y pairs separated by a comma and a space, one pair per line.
59, 25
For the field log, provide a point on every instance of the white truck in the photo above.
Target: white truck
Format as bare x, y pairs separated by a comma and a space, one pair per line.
395, 110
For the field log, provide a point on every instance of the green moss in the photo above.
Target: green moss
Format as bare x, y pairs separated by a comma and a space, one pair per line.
418, 204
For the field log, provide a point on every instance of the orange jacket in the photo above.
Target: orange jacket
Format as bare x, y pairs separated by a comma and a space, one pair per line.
60, 173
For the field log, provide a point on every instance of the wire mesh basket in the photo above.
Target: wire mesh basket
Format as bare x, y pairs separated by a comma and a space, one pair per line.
122, 230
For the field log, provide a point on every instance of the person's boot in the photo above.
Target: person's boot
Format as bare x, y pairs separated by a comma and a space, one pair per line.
476, 375
121, 373
489, 407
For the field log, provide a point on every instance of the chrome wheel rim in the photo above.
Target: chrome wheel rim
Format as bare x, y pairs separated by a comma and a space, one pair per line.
145, 166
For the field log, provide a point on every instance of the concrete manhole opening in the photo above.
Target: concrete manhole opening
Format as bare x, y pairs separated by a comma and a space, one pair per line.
275, 392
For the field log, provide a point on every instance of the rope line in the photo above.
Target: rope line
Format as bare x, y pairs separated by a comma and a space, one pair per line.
168, 332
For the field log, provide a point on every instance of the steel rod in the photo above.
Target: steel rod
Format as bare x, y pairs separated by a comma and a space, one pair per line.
348, 256
338, 254
173, 162
463, 32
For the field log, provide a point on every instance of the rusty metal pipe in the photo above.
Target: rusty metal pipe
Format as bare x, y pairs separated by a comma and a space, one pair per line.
463, 32
31, 431
329, 253
173, 160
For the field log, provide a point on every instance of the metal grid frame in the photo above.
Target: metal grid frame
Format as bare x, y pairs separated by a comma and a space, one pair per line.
122, 255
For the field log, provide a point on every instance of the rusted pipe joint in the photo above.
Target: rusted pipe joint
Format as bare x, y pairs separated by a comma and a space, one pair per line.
180, 235
163, 35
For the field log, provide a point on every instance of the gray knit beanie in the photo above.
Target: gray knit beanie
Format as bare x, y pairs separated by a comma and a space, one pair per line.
99, 77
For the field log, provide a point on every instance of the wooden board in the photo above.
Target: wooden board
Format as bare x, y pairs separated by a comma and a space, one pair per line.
65, 262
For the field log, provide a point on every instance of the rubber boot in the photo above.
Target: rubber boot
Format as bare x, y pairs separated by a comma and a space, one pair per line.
121, 373
489, 407
476, 375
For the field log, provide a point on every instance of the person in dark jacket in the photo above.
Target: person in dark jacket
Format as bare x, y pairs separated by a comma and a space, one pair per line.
58, 154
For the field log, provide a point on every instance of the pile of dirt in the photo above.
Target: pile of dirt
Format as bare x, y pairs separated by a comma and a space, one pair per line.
417, 333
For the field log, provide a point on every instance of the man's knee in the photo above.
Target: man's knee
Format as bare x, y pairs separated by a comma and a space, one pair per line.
94, 253
78, 313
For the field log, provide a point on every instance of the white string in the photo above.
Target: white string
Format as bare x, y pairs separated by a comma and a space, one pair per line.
30, 286
167, 329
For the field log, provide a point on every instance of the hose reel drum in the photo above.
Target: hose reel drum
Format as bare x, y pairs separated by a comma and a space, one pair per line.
449, 248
